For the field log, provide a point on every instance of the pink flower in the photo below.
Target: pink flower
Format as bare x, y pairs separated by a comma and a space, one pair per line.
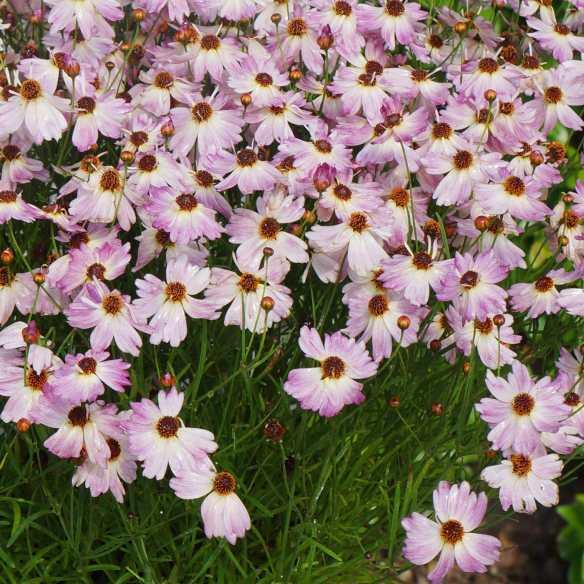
13, 293
473, 283
492, 341
111, 316
119, 466
571, 363
159, 438
396, 21
35, 107
300, 42
331, 386
524, 479
463, 170
556, 37
215, 55
13, 206
19, 168
414, 275
254, 232
81, 427
162, 86
224, 515
168, 302
83, 377
245, 292
345, 198
66, 15
459, 512
572, 300
521, 409
183, 217
208, 123
486, 73
540, 296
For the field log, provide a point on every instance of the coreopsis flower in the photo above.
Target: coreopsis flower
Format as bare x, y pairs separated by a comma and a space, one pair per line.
490, 337
97, 113
67, 15
359, 237
519, 196
272, 121
258, 77
245, 293
328, 388
103, 199
161, 87
17, 167
209, 123
521, 409
80, 428
215, 56
224, 515
379, 316
169, 302
414, 274
556, 37
246, 170
13, 206
106, 262
572, 300
24, 387
462, 170
254, 232
410, 83
459, 511
237, 10
343, 198
183, 217
300, 42
84, 377
524, 480
159, 438
553, 103
110, 315
13, 294
541, 296
486, 73
120, 466
37, 109
571, 363
396, 21
473, 282
153, 242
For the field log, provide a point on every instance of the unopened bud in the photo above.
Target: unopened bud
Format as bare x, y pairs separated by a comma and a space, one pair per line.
274, 430
138, 14
563, 241
268, 252
498, 320
394, 401
267, 303
437, 409
245, 99
309, 217
403, 322
167, 130
31, 333
435, 345
23, 425
39, 278
325, 39
460, 27
276, 18
167, 380
481, 223
73, 69
466, 367
490, 95
295, 75
536, 158
7, 256
568, 199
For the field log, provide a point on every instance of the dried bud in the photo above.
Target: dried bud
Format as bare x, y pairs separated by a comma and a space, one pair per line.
490, 95
276, 18
460, 27
325, 39
274, 430
435, 345
73, 69
167, 130
167, 380
39, 278
7, 256
466, 367
245, 99
31, 333
394, 401
309, 217
498, 320
23, 425
127, 157
403, 322
138, 14
481, 223
295, 75
437, 409
267, 303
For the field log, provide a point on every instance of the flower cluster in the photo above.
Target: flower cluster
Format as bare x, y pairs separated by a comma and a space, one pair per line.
208, 159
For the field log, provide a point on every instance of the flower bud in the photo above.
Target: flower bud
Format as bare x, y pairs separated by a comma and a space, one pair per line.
466, 367
325, 39
309, 217
7, 256
460, 27
403, 322
490, 95
23, 425
323, 177
563, 241
268, 252
167, 380
435, 345
73, 69
138, 14
39, 278
437, 409
31, 333
127, 157
167, 130
295, 75
245, 99
536, 158
276, 18
267, 303
481, 223
498, 320
568, 199
394, 401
